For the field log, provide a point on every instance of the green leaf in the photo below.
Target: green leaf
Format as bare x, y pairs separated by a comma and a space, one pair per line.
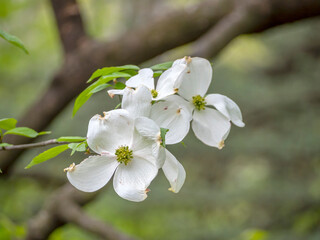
26, 132
0, 171
44, 133
119, 85
13, 40
157, 74
8, 123
22, 131
48, 154
130, 71
71, 139
5, 145
108, 70
99, 88
85, 95
162, 66
163, 132
79, 147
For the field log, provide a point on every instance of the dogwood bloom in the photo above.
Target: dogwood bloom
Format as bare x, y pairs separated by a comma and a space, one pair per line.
210, 125
127, 148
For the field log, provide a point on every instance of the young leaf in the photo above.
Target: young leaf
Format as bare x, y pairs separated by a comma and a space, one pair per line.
85, 95
71, 139
79, 147
22, 131
162, 66
157, 73
48, 154
99, 88
131, 72
108, 70
44, 133
13, 40
163, 132
8, 123
5, 145
119, 85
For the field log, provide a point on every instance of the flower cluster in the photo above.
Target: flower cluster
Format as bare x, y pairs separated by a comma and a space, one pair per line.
130, 141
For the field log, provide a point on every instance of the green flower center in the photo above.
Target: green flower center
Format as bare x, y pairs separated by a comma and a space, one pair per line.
199, 102
154, 93
124, 155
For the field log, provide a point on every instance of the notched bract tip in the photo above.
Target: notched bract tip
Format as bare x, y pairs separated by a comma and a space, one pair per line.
71, 168
221, 144
188, 59
159, 138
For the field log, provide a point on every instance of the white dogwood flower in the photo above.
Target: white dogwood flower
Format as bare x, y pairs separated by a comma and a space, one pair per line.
210, 125
127, 148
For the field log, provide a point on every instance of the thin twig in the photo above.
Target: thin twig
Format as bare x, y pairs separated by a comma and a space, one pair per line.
32, 145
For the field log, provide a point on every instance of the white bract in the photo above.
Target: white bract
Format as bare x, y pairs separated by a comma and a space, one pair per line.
175, 114
137, 101
171, 167
210, 125
174, 172
166, 86
127, 148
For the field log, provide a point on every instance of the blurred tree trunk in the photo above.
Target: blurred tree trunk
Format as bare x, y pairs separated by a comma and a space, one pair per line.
140, 12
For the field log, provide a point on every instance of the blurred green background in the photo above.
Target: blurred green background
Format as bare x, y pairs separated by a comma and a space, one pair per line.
265, 184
